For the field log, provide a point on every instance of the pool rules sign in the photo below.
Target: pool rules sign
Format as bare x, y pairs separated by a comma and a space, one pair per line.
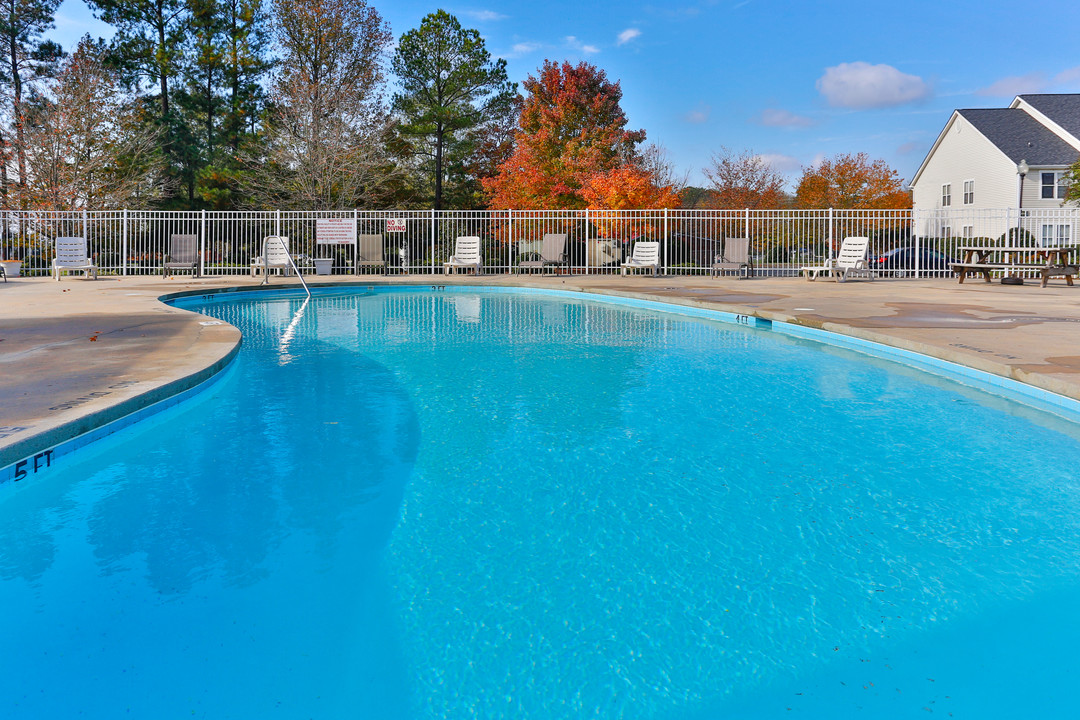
335, 231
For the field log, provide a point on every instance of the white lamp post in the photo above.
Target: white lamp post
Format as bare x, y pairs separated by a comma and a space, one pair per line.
1021, 171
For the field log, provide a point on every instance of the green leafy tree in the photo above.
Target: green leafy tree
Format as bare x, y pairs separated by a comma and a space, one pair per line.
226, 60
247, 63
451, 90
27, 57
199, 99
1073, 179
148, 51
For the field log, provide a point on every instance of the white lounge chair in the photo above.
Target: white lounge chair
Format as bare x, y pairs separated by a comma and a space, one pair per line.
71, 256
275, 254
849, 262
369, 251
646, 255
736, 256
466, 255
183, 255
552, 253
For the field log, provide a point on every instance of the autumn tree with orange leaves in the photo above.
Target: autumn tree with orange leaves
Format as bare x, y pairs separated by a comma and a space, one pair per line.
627, 188
572, 146
852, 182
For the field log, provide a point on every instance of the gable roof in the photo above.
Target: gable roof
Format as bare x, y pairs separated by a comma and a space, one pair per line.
1063, 109
1020, 136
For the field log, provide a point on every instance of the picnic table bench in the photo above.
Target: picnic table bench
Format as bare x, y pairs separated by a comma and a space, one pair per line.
1051, 261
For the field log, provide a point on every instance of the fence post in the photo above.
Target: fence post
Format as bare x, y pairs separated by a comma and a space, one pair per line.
915, 241
746, 227
202, 244
124, 244
666, 245
510, 242
277, 226
433, 260
830, 236
585, 269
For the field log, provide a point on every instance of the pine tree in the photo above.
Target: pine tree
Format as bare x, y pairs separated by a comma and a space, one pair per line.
147, 49
450, 89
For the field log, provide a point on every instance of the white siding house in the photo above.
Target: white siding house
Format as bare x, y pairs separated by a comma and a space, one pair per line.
971, 178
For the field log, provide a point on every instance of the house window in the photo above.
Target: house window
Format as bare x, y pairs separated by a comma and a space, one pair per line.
1054, 185
1056, 234
969, 192
946, 231
969, 231
946, 195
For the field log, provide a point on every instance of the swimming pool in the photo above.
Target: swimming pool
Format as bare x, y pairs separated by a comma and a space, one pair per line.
463, 503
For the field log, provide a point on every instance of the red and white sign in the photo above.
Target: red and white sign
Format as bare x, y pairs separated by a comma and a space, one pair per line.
395, 225
335, 231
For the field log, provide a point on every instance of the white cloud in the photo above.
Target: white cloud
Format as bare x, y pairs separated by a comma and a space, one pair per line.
576, 44
775, 117
628, 34
698, 115
780, 163
1015, 85
485, 15
860, 85
523, 48
1070, 77
911, 147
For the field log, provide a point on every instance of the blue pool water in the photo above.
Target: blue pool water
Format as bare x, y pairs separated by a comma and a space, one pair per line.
412, 504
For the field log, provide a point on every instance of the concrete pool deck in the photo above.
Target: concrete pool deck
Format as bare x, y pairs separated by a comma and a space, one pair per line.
78, 354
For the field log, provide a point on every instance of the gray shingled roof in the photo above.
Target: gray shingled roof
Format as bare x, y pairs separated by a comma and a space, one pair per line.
1021, 137
1064, 109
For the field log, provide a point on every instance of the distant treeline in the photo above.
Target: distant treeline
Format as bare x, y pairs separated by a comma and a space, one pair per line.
234, 104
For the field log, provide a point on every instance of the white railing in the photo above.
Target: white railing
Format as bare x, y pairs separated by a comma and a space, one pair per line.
130, 242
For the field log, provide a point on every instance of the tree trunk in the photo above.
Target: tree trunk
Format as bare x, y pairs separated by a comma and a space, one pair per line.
235, 126
17, 103
438, 165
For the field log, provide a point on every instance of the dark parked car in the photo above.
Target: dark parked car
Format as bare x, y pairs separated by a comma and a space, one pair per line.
901, 261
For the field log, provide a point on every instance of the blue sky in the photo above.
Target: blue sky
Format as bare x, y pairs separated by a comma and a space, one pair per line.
791, 81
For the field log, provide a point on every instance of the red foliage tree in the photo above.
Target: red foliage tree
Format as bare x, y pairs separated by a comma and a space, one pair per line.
571, 128
626, 188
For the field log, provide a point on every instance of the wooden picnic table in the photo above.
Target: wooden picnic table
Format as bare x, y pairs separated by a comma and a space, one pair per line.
1052, 261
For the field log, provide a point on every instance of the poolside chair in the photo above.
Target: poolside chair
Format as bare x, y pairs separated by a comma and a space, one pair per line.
466, 255
552, 253
735, 256
71, 256
275, 254
646, 255
849, 262
369, 251
183, 255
